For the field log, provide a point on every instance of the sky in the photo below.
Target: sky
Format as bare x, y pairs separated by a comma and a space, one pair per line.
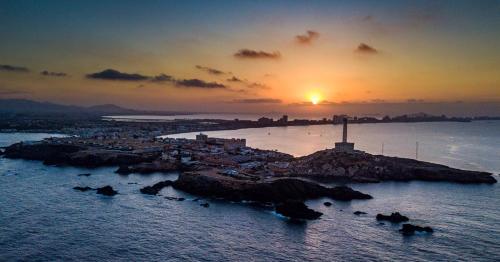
366, 57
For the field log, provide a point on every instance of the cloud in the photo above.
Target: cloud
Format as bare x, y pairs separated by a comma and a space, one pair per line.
111, 74
258, 101
162, 78
366, 49
249, 84
12, 68
414, 100
197, 83
234, 79
307, 38
210, 70
247, 53
258, 85
56, 74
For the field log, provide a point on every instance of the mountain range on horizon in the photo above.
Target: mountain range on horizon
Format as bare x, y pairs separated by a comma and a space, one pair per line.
36, 107
32, 107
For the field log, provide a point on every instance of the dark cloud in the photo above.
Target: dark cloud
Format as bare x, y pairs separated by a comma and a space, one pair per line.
249, 84
234, 79
258, 85
414, 100
258, 101
197, 83
247, 53
210, 70
56, 74
307, 38
162, 78
111, 74
366, 49
12, 68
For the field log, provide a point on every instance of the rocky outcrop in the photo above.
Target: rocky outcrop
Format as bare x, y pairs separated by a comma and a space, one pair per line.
363, 167
345, 193
394, 217
49, 153
97, 158
107, 191
296, 210
148, 168
154, 189
212, 183
83, 189
175, 198
409, 229
66, 154
359, 213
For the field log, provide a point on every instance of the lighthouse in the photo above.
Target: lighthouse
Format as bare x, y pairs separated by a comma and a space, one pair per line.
344, 146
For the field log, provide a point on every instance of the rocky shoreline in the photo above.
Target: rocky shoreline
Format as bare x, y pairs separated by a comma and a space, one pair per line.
329, 164
362, 167
219, 169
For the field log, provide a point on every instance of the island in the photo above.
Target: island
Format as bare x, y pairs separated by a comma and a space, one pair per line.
229, 169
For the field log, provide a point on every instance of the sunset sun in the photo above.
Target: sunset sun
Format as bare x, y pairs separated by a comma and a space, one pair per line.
315, 98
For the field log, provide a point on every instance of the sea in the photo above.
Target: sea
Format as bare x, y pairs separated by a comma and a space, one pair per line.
43, 219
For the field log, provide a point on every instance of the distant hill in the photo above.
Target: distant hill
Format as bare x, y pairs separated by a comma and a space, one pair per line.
24, 106
111, 109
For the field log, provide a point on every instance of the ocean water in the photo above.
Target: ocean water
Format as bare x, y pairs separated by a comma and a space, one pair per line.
224, 116
43, 219
474, 146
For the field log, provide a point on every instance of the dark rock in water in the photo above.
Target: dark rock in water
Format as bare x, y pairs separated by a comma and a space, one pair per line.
264, 205
175, 198
409, 229
154, 189
346, 193
394, 217
296, 210
211, 183
381, 223
205, 205
357, 213
196, 200
327, 204
132, 183
107, 191
86, 174
83, 189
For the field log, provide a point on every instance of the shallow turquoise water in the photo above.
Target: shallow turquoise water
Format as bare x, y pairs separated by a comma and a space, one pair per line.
42, 218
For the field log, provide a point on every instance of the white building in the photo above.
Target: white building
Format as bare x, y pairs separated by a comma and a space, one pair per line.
344, 146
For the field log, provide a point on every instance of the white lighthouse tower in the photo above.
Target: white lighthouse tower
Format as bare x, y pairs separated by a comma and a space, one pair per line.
344, 146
